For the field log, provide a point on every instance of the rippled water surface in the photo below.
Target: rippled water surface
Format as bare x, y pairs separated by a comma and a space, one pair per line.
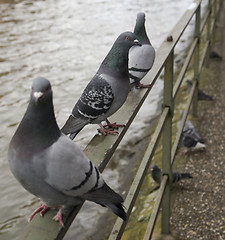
65, 41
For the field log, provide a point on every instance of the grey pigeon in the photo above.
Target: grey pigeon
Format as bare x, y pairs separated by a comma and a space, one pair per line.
190, 138
106, 92
214, 55
201, 94
156, 175
141, 58
51, 166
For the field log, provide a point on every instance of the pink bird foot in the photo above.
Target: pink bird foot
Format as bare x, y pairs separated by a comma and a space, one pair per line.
43, 208
106, 131
108, 128
58, 216
112, 125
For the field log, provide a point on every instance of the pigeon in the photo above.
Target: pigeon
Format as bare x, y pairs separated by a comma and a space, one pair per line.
106, 92
190, 138
201, 94
50, 165
214, 55
156, 175
141, 58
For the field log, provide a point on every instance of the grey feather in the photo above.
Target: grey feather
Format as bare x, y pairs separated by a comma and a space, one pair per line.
51, 166
201, 94
108, 89
141, 58
176, 176
190, 138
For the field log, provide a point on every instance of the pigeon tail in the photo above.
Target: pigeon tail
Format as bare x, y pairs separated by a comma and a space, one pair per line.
204, 96
105, 196
185, 175
73, 126
178, 176
200, 146
117, 208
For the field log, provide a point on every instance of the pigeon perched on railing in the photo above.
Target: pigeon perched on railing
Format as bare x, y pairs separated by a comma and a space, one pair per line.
141, 58
156, 175
201, 94
51, 166
106, 92
190, 139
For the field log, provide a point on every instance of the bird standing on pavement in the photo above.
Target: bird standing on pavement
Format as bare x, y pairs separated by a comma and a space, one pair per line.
156, 175
190, 139
141, 58
106, 92
51, 166
201, 94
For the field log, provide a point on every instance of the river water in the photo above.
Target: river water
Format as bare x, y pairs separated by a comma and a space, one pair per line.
65, 41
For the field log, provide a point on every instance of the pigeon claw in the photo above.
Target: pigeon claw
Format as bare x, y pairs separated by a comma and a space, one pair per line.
58, 216
106, 131
108, 128
43, 208
113, 125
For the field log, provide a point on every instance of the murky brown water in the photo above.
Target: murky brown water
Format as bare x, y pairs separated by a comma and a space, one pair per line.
65, 41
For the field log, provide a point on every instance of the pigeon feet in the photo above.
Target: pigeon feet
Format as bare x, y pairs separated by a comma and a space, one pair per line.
109, 128
58, 216
106, 131
43, 208
140, 85
112, 125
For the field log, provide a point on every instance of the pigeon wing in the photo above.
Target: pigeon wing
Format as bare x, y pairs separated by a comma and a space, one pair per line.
96, 99
68, 170
141, 59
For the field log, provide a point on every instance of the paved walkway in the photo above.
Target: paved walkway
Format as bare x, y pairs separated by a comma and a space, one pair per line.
199, 205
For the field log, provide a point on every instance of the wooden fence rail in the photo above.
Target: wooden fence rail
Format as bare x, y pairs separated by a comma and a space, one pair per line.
101, 148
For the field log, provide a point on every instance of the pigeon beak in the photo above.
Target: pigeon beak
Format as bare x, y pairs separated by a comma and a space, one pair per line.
136, 42
37, 95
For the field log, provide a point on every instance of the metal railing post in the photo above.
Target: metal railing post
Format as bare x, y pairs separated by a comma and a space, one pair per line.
167, 144
208, 32
196, 62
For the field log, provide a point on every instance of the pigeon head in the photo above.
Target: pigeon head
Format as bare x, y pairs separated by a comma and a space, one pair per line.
155, 168
188, 82
38, 128
140, 18
126, 40
189, 85
139, 29
116, 62
156, 173
41, 90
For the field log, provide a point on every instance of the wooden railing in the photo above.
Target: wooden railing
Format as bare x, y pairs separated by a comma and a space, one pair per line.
101, 148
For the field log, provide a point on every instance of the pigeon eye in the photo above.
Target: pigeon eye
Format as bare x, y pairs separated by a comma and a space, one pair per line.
47, 88
127, 38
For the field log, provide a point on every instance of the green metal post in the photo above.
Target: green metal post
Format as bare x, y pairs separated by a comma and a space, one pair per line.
213, 19
196, 62
167, 144
208, 32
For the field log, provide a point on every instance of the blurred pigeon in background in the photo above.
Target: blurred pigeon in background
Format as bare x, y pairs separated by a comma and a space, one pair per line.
106, 92
141, 58
201, 94
190, 139
214, 55
51, 166
156, 175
